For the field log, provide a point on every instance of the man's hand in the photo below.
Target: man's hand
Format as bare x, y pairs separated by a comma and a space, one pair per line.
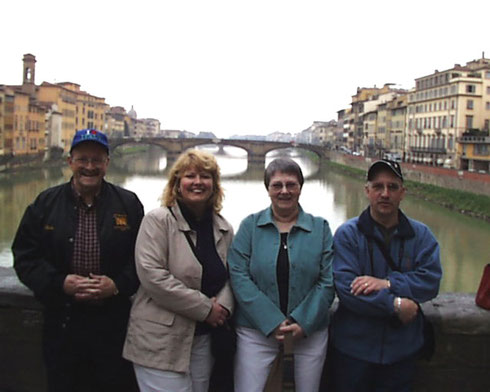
73, 284
365, 285
408, 310
218, 314
92, 288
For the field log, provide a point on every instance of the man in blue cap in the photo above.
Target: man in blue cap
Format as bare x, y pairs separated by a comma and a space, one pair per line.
385, 265
74, 249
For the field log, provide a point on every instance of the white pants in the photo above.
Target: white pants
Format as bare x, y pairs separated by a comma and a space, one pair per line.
197, 380
256, 353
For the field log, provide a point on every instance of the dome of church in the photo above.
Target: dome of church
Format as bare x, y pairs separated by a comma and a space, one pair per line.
132, 113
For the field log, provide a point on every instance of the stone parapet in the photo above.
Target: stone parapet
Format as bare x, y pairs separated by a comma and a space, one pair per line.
461, 361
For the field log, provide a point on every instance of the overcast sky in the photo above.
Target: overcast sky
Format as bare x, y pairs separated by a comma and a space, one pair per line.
238, 67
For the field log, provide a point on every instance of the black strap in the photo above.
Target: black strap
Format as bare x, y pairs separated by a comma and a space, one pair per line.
386, 253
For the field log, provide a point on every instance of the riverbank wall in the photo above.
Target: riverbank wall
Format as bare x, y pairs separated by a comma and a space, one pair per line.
9, 163
445, 178
461, 361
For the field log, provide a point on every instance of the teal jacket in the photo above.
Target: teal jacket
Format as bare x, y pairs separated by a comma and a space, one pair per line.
252, 261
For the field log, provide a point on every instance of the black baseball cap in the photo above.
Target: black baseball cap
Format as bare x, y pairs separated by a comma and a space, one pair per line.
384, 164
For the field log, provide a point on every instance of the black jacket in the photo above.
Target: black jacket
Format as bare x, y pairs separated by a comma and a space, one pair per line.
43, 245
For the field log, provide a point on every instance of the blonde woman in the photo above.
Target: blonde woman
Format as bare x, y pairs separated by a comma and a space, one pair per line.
181, 262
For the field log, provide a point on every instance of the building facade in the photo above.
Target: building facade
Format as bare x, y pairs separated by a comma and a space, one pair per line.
442, 107
474, 151
37, 118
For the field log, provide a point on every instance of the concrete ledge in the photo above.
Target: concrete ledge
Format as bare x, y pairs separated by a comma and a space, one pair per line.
461, 361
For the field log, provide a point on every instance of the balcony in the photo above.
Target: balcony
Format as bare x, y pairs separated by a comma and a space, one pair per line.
474, 140
428, 150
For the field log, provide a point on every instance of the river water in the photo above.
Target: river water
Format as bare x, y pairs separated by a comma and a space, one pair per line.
465, 241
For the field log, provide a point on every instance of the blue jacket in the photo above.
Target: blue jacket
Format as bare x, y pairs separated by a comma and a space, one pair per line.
365, 326
252, 260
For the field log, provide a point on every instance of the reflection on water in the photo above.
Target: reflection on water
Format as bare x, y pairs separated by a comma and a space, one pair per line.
464, 240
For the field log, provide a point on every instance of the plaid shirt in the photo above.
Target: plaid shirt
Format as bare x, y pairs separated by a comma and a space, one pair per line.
86, 249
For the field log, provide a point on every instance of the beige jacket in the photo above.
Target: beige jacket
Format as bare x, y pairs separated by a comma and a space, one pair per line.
169, 300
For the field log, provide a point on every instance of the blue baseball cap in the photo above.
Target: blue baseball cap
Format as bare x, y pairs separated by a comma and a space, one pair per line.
90, 135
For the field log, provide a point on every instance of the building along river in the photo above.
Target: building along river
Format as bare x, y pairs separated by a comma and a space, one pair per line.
465, 245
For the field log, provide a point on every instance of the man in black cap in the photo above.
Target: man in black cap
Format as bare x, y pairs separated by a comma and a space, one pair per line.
385, 265
74, 249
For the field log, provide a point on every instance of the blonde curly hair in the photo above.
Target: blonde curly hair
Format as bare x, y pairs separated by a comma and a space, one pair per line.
198, 160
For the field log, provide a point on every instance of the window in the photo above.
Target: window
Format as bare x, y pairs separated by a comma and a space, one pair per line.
487, 105
469, 122
481, 149
450, 143
453, 104
470, 88
469, 104
488, 89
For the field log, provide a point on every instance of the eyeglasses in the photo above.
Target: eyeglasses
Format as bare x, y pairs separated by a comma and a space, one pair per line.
85, 161
278, 186
380, 187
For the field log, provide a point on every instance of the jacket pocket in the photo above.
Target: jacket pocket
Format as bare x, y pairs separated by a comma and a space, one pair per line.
149, 311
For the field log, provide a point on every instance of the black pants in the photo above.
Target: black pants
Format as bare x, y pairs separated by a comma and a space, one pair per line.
348, 374
85, 354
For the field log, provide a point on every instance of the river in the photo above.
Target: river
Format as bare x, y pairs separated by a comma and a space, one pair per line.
465, 245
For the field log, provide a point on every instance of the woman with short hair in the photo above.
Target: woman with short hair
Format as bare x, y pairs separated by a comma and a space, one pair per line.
281, 273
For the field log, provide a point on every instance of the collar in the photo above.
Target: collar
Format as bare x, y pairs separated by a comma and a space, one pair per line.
78, 197
191, 219
367, 226
218, 221
303, 222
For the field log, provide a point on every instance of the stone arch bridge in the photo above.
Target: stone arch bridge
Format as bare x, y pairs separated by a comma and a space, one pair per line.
256, 150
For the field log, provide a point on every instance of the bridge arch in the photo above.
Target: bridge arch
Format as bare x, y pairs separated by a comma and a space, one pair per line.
256, 150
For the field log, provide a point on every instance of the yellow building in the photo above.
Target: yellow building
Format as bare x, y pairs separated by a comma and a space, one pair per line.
8, 121
397, 124
474, 150
78, 108
117, 124
21, 123
2, 118
442, 107
66, 103
365, 118
382, 135
90, 110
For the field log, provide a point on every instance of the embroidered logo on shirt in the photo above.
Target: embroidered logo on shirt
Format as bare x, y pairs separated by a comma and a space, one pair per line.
48, 227
121, 222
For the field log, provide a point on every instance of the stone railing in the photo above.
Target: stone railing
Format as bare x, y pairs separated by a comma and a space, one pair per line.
461, 361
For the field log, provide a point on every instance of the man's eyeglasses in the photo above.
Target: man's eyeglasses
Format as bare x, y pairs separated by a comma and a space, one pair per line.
379, 187
278, 186
85, 161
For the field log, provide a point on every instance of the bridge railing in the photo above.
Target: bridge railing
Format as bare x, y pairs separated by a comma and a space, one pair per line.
461, 361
